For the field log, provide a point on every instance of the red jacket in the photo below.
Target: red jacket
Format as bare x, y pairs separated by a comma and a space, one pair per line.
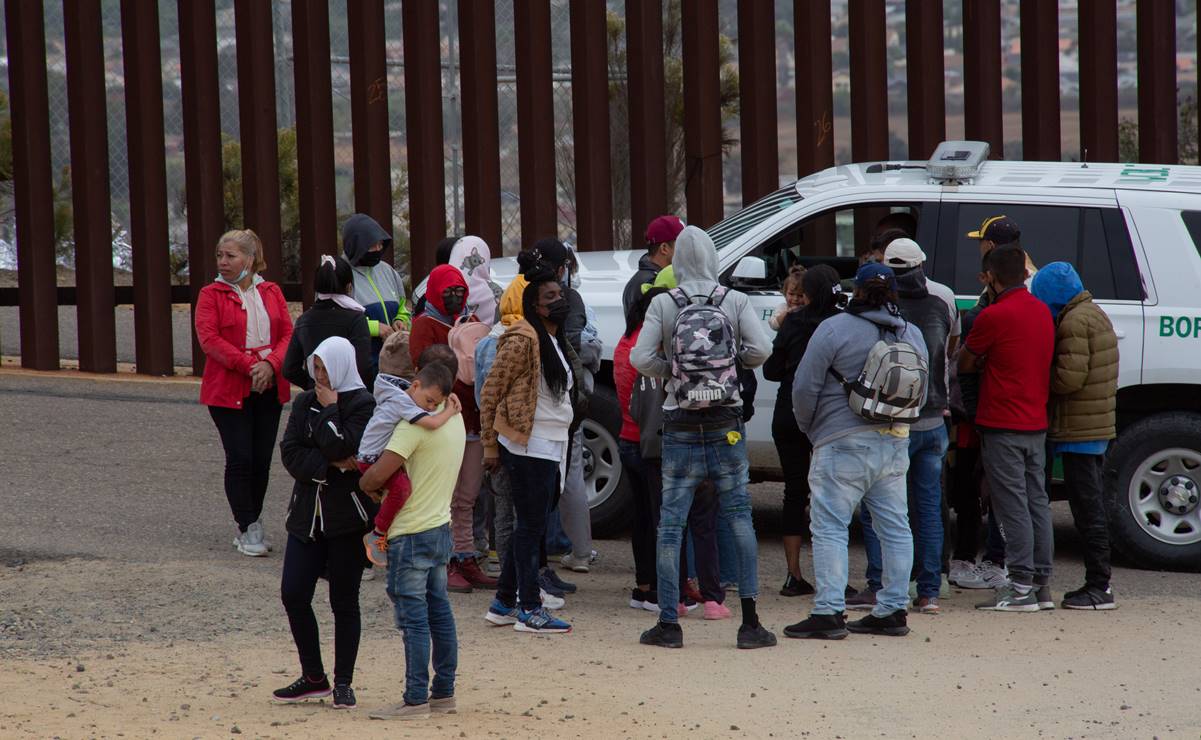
624, 377
221, 329
428, 331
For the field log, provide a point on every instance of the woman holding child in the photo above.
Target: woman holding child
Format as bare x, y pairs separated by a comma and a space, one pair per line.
327, 518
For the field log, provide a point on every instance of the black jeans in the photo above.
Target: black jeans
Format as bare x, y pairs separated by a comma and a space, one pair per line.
702, 525
795, 452
1082, 475
648, 496
967, 475
303, 565
248, 436
534, 484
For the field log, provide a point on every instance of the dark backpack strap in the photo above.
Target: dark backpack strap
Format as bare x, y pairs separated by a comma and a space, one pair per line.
718, 295
846, 385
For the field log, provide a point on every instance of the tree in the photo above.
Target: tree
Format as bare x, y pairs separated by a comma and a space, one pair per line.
289, 195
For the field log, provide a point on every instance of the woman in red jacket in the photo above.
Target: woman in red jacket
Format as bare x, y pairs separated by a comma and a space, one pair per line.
243, 326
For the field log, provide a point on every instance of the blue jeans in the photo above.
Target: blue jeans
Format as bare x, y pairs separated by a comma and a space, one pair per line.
927, 450
866, 467
689, 457
417, 587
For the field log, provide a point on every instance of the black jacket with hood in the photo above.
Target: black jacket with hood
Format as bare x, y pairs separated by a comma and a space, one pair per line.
326, 501
647, 270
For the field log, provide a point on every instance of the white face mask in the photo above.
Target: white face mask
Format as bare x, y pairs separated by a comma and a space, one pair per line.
242, 275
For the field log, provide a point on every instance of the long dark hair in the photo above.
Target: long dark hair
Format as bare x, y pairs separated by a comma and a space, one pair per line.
552, 368
333, 277
822, 287
637, 313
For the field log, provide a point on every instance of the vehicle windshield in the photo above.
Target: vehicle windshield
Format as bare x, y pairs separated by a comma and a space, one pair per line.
729, 229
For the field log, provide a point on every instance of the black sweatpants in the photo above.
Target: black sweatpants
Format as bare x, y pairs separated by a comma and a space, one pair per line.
1082, 476
795, 452
248, 436
303, 565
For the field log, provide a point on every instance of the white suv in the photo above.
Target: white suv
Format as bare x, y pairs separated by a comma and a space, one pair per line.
1132, 231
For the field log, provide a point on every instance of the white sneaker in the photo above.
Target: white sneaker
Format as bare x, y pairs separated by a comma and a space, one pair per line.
962, 570
263, 528
368, 574
552, 602
250, 542
994, 576
578, 565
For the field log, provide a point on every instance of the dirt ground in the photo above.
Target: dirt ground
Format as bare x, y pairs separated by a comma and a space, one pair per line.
124, 612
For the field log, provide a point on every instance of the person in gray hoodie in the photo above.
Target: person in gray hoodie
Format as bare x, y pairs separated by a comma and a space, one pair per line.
854, 460
705, 443
378, 287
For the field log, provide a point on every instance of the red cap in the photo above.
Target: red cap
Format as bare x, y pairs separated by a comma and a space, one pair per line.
663, 229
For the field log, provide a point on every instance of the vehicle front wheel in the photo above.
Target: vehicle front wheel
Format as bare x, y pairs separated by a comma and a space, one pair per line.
1153, 480
608, 490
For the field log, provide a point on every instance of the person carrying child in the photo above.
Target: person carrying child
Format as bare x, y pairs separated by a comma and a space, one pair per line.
794, 297
400, 395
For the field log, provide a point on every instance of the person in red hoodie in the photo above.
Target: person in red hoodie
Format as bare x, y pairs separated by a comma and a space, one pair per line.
445, 303
243, 325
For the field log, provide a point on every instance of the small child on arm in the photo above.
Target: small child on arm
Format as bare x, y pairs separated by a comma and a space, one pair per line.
794, 297
398, 397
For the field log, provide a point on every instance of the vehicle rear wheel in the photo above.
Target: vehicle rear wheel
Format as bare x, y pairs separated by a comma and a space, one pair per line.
1153, 480
608, 490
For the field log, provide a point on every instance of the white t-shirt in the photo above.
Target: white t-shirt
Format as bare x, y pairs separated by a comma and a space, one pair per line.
552, 419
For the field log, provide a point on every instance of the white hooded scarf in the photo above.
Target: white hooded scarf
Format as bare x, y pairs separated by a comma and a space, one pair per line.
338, 356
471, 256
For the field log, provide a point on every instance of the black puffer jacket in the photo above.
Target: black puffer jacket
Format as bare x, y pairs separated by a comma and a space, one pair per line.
326, 500
323, 320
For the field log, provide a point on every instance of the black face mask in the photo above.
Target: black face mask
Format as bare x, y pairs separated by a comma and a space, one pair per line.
371, 259
453, 304
558, 311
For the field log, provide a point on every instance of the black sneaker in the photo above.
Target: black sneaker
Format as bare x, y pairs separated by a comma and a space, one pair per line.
1090, 597
850, 591
893, 625
819, 627
648, 600
797, 587
864, 600
663, 634
547, 585
344, 697
302, 689
559, 583
754, 636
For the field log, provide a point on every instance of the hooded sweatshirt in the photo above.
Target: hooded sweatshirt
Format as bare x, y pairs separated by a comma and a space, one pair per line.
378, 287
841, 342
931, 315
695, 267
645, 275
471, 257
1084, 376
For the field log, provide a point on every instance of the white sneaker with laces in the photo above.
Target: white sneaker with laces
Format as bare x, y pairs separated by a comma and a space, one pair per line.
993, 575
578, 565
961, 570
266, 543
552, 602
250, 542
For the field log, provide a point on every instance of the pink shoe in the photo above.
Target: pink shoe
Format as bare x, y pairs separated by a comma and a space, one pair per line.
716, 610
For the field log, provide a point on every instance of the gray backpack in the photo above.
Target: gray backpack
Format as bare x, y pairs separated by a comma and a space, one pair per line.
892, 386
704, 351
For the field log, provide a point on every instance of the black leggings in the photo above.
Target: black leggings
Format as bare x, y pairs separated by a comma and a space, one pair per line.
248, 436
303, 565
795, 451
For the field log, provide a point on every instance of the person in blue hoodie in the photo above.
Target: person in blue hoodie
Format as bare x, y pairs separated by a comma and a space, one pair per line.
1084, 390
378, 287
855, 460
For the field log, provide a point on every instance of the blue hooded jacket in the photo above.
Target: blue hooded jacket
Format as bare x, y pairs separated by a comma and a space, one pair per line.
1056, 285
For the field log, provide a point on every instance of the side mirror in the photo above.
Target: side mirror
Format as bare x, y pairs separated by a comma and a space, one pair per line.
750, 269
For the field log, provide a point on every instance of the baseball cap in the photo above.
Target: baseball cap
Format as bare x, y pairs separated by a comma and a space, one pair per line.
873, 270
997, 229
663, 229
903, 253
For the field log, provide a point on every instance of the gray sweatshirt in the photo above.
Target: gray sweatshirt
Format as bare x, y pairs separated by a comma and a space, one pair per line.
392, 405
695, 267
842, 342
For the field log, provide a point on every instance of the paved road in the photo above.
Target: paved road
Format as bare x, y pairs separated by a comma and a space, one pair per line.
68, 334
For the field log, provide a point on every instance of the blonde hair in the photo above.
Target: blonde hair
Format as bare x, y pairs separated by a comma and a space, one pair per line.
793, 280
249, 243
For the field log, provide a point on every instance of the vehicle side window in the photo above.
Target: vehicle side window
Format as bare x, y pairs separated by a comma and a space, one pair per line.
829, 237
1093, 240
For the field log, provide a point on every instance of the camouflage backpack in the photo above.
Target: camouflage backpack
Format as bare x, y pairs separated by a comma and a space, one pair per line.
704, 352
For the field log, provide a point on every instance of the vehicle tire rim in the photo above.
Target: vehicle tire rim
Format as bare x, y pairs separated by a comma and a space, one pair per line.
602, 463
1164, 496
